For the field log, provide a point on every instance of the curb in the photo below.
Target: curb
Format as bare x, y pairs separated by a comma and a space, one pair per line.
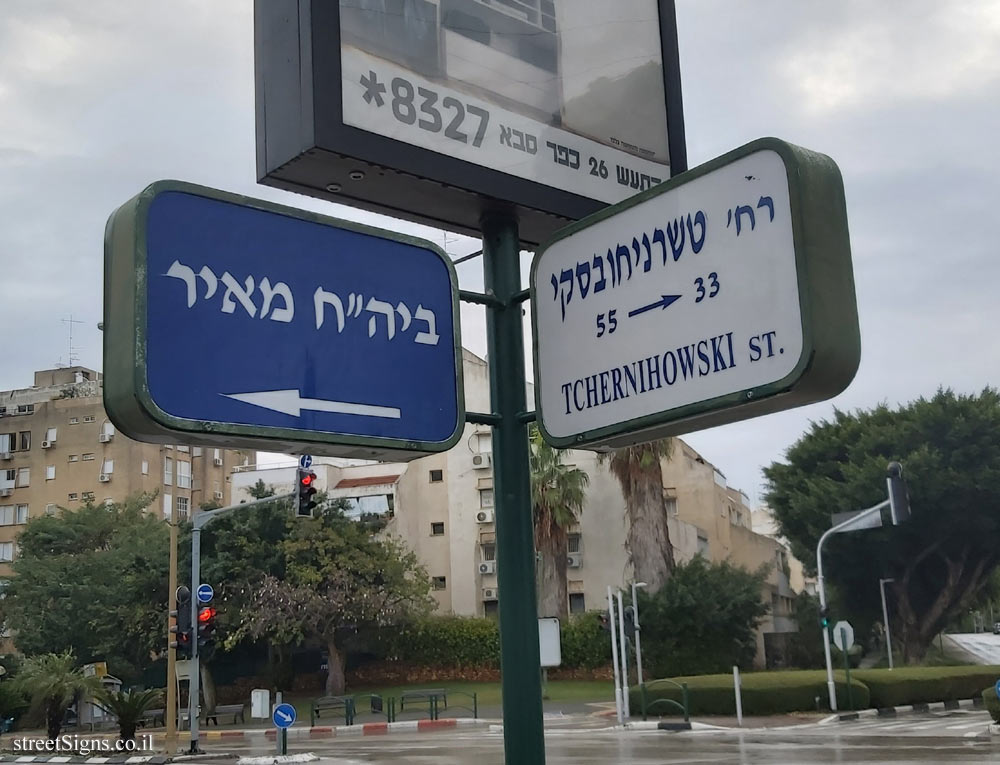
131, 759
911, 708
333, 731
654, 725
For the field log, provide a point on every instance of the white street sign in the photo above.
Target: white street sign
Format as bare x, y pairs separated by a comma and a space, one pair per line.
721, 288
843, 628
549, 650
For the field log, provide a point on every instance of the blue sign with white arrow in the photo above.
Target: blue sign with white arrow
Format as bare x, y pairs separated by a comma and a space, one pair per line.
283, 716
239, 320
205, 593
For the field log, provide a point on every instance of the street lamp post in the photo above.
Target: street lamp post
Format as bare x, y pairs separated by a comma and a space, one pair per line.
885, 620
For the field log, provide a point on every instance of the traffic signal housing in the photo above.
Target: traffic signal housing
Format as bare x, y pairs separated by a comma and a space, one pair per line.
604, 619
181, 628
824, 617
305, 481
206, 631
899, 496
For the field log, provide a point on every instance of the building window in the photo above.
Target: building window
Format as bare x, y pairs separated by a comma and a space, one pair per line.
87, 496
89, 418
24, 440
74, 458
6, 515
7, 442
74, 420
196, 451
573, 543
183, 449
6, 552
87, 457
484, 443
50, 434
50, 472
437, 476
489, 551
23, 477
72, 496
491, 609
183, 474
145, 467
703, 546
168, 471
486, 498
168, 507
577, 604
437, 529
25, 408
107, 429
217, 456
670, 505
22, 514
109, 467
182, 508
439, 582
50, 509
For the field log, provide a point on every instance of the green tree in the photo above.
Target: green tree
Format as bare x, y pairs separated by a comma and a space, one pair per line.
128, 707
640, 475
944, 557
92, 581
557, 495
703, 620
52, 682
339, 581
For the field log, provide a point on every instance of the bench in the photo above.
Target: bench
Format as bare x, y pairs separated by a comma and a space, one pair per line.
430, 695
151, 716
327, 703
236, 710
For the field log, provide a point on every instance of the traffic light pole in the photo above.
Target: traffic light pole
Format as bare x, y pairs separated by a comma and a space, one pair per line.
171, 712
201, 520
524, 739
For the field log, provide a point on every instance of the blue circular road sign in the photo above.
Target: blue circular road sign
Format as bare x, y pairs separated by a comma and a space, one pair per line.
306, 461
997, 688
205, 593
283, 715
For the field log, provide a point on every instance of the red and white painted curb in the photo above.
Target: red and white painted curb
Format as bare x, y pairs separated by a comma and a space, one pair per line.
364, 729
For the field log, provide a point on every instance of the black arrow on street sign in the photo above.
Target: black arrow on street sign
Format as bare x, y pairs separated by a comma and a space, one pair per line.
663, 302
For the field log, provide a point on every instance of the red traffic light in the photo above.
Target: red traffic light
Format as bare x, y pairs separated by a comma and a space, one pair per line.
207, 614
307, 479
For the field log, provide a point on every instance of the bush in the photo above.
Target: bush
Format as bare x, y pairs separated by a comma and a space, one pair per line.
764, 693
992, 703
922, 685
445, 641
583, 643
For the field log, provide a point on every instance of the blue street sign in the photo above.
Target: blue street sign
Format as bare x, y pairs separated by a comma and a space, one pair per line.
294, 329
283, 716
205, 593
305, 461
997, 689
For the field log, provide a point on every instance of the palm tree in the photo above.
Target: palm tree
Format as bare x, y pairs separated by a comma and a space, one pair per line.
129, 707
557, 494
53, 682
640, 476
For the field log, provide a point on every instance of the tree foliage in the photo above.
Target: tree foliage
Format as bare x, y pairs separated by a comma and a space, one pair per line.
92, 581
53, 681
943, 558
702, 620
640, 475
339, 581
557, 495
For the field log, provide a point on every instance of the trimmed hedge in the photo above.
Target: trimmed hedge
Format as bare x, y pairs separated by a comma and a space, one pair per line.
922, 685
764, 693
992, 703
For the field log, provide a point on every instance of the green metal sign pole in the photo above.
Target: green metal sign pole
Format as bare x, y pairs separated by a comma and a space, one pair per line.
524, 741
847, 668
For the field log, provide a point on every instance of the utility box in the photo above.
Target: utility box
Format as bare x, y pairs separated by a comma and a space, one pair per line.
260, 703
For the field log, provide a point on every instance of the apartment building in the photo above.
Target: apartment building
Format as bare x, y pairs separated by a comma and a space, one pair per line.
442, 506
59, 449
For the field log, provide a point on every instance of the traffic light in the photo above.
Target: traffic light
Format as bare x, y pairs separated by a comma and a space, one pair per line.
824, 617
605, 620
306, 483
206, 631
629, 617
181, 628
899, 497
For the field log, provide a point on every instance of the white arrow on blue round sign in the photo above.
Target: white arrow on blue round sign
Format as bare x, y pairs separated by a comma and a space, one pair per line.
205, 593
283, 716
305, 461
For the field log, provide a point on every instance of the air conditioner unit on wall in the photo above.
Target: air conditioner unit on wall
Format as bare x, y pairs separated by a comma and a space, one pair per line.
104, 438
47, 444
6, 492
217, 495
6, 455
104, 477
484, 516
482, 461
490, 593
217, 461
574, 560
488, 567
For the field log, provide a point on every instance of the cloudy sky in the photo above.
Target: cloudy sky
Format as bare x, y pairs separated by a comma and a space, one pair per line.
99, 98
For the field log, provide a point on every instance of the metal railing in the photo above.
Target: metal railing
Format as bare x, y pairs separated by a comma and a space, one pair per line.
683, 706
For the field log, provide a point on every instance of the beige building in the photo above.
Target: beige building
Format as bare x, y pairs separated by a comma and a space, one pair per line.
59, 449
442, 507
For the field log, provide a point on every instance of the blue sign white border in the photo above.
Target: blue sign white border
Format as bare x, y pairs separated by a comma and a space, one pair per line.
207, 588
127, 397
274, 715
831, 335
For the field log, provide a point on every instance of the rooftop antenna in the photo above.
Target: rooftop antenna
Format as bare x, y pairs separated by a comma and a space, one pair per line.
72, 356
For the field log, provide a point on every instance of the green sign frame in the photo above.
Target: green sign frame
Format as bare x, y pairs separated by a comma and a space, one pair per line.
831, 347
127, 398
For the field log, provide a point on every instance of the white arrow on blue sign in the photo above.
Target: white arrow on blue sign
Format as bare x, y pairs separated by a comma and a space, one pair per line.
305, 461
205, 593
306, 331
283, 716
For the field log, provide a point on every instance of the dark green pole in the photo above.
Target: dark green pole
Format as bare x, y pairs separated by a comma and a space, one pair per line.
847, 668
524, 741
